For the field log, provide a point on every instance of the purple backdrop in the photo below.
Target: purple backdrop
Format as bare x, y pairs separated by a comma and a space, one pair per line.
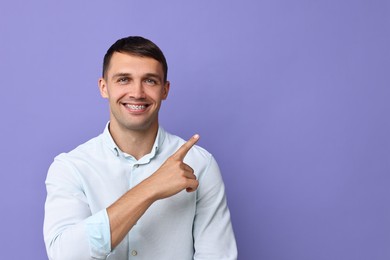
292, 98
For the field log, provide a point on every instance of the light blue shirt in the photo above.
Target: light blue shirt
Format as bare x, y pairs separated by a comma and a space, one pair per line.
81, 184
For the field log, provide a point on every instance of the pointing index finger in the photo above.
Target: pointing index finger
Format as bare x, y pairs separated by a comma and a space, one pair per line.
183, 150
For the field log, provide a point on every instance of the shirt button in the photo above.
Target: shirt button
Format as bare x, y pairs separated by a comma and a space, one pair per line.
134, 253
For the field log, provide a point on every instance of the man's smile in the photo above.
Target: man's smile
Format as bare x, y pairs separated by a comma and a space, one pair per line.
136, 107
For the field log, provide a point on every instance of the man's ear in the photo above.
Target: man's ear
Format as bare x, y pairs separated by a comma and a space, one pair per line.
165, 90
103, 88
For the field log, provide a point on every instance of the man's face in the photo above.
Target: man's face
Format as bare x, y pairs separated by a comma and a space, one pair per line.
134, 87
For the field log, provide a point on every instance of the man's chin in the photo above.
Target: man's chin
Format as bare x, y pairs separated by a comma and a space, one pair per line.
139, 127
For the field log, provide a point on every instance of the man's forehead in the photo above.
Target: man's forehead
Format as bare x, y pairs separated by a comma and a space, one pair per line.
128, 63
128, 58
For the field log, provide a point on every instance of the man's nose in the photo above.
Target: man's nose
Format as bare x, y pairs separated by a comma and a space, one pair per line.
137, 90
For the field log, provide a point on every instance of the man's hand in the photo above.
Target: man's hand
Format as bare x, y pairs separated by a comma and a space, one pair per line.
171, 178
174, 175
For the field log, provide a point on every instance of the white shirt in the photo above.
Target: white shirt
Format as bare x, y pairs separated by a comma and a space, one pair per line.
81, 184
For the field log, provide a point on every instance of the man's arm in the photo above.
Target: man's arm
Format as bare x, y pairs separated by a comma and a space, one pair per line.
213, 232
67, 214
172, 177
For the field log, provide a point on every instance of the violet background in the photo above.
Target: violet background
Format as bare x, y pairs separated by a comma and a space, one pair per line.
291, 97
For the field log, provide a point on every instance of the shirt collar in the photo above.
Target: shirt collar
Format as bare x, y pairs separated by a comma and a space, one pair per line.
109, 141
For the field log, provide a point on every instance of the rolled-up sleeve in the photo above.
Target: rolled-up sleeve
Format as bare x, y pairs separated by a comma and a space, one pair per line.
213, 232
70, 230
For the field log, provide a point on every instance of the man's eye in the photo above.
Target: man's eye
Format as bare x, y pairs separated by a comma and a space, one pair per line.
123, 80
151, 81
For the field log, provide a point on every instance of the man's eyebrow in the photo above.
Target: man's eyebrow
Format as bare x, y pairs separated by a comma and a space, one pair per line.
121, 74
147, 75
152, 75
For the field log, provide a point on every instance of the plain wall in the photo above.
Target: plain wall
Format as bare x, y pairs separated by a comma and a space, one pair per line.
291, 97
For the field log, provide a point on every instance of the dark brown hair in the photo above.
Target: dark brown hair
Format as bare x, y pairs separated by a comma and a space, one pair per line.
139, 46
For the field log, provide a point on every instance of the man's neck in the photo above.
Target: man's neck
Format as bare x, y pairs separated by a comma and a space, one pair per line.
137, 143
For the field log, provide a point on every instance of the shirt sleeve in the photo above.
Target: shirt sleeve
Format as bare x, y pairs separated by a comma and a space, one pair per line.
213, 232
70, 230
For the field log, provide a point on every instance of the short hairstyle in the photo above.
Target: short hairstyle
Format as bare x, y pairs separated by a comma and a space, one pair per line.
138, 46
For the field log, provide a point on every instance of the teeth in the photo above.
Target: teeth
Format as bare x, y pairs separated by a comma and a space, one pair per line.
136, 107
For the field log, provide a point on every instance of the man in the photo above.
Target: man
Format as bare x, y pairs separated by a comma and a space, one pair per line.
136, 191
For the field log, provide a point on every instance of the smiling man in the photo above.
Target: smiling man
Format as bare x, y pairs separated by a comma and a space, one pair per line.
136, 191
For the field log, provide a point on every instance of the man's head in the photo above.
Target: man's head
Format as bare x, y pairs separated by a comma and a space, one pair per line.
137, 46
135, 83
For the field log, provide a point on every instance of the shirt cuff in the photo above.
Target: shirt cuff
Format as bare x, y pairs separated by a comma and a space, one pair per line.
98, 233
